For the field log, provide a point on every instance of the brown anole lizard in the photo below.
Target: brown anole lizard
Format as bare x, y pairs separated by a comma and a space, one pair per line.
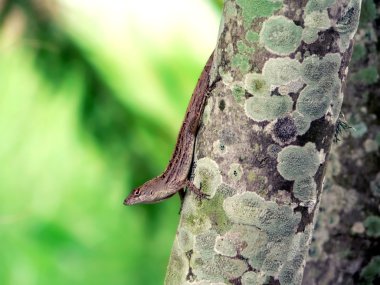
176, 175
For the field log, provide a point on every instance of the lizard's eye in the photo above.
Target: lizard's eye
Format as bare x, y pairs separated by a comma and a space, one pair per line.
137, 192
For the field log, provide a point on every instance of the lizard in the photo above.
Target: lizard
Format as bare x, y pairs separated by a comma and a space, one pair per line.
176, 175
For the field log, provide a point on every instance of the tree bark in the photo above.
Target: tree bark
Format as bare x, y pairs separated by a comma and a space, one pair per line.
275, 98
346, 245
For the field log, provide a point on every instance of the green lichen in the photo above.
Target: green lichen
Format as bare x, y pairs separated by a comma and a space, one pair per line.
274, 258
290, 275
315, 69
321, 93
297, 162
260, 108
256, 84
258, 8
317, 19
207, 176
238, 92
302, 122
372, 225
280, 35
235, 172
252, 36
315, 22
309, 35
318, 5
304, 189
241, 61
313, 103
244, 49
253, 278
230, 268
347, 24
250, 209
279, 71
248, 241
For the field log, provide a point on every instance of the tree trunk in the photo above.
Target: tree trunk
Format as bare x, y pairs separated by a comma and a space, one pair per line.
275, 97
346, 245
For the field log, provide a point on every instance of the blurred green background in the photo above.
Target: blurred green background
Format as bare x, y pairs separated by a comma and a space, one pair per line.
92, 96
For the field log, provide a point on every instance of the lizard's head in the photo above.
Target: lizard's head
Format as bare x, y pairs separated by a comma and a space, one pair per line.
146, 193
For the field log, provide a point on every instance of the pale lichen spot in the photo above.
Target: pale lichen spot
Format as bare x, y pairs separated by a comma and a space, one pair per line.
206, 113
280, 35
279, 71
318, 19
302, 122
305, 189
185, 239
318, 5
226, 76
219, 148
204, 244
348, 23
297, 162
253, 278
268, 108
314, 69
225, 246
230, 268
207, 176
313, 103
236, 171
256, 84
310, 35
249, 208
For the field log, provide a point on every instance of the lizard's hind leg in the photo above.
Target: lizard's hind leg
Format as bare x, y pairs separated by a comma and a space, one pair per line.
200, 195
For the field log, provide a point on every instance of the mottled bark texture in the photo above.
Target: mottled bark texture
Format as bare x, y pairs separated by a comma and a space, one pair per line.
275, 97
346, 242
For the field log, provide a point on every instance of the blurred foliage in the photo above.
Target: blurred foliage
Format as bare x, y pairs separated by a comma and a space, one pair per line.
75, 139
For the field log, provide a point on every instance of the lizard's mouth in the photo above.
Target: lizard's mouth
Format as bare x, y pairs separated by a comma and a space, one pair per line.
130, 201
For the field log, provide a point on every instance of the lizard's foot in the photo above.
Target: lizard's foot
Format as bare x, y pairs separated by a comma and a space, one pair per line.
199, 194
